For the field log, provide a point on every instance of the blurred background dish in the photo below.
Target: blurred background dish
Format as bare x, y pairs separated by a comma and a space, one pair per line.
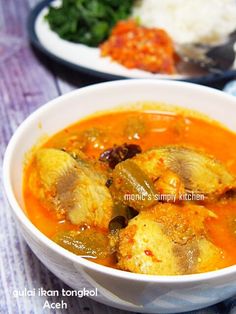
89, 59
230, 87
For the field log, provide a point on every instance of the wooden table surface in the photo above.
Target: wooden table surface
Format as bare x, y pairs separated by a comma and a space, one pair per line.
27, 81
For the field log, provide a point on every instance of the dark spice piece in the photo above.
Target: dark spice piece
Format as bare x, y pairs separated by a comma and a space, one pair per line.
131, 212
109, 182
117, 223
116, 154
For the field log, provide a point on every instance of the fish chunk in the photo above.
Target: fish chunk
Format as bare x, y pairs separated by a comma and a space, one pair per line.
199, 172
167, 240
144, 248
72, 187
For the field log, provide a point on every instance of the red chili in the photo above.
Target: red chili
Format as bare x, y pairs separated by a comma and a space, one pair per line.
148, 252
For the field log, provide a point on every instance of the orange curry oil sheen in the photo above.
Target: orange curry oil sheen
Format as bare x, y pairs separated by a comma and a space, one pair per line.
161, 128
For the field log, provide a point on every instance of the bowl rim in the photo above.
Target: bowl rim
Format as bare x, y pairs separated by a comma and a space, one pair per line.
31, 228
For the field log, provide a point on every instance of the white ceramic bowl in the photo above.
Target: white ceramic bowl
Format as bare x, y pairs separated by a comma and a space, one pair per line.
135, 292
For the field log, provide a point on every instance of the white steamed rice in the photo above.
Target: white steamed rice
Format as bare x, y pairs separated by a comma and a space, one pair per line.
187, 21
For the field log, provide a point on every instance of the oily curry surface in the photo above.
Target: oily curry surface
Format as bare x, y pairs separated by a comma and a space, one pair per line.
143, 191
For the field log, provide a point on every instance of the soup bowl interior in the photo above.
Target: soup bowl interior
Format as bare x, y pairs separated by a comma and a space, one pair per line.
136, 292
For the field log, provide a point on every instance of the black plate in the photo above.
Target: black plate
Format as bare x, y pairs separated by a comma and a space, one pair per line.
206, 79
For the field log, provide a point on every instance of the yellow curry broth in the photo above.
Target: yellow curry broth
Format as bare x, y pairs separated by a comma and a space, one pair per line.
152, 129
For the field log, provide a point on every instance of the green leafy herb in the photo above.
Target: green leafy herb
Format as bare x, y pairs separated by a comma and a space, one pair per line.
87, 21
